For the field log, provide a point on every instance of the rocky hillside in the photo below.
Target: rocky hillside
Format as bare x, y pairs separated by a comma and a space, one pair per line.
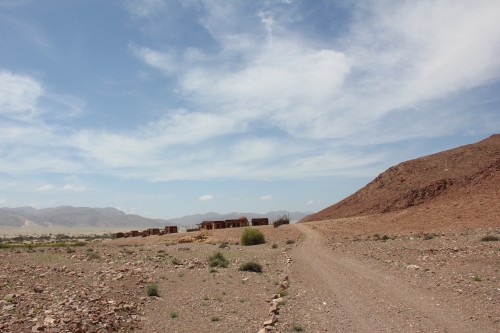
68, 216
464, 173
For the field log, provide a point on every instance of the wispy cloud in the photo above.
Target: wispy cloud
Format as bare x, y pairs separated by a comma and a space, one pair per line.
74, 188
45, 188
206, 197
265, 101
266, 197
160, 60
19, 95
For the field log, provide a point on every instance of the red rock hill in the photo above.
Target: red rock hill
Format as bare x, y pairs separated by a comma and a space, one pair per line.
459, 175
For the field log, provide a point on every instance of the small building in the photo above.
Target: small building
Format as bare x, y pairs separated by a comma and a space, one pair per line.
260, 221
210, 225
171, 229
154, 231
241, 222
119, 235
134, 233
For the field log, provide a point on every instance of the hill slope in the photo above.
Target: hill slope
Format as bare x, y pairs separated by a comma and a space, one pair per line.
460, 174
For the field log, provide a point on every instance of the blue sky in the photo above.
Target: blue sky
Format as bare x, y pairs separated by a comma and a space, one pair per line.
169, 108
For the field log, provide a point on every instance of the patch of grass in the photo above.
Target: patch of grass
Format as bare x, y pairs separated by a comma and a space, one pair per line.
173, 315
152, 290
215, 318
218, 260
93, 255
251, 236
290, 241
223, 245
477, 278
10, 300
490, 238
283, 293
251, 266
44, 244
297, 328
428, 236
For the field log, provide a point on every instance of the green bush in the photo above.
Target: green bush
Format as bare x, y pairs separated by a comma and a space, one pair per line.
252, 237
251, 267
218, 260
152, 290
490, 238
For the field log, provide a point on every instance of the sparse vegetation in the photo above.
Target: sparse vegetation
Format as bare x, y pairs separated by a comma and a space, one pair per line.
283, 219
215, 318
297, 328
173, 315
152, 290
92, 255
176, 261
252, 236
290, 241
218, 260
428, 236
282, 293
477, 278
251, 267
43, 244
223, 245
275, 246
490, 238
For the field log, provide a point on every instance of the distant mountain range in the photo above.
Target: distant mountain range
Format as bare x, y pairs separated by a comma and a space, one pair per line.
197, 218
67, 216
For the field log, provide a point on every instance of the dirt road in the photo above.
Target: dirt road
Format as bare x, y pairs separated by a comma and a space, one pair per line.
340, 294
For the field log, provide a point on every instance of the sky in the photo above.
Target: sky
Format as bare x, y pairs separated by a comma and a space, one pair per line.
170, 108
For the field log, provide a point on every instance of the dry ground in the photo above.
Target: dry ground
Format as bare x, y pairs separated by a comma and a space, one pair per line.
344, 278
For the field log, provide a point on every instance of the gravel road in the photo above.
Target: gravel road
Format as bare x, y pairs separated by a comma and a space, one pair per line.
341, 294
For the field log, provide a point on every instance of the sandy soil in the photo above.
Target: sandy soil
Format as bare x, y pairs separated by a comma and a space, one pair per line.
343, 278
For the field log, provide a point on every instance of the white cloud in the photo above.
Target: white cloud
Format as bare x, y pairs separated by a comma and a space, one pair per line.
301, 106
45, 188
74, 188
19, 95
206, 197
266, 197
162, 61
2, 200
144, 8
